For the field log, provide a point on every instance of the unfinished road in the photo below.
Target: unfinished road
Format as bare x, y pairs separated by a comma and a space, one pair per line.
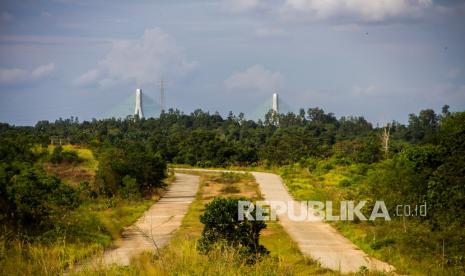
315, 238
156, 226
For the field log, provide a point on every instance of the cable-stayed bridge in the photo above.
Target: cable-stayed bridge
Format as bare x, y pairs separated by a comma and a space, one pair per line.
149, 107
265, 107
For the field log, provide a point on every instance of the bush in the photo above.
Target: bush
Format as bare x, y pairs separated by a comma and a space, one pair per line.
310, 163
70, 156
204, 164
129, 159
60, 156
129, 188
222, 226
323, 167
382, 243
57, 155
345, 182
230, 189
34, 197
359, 168
229, 178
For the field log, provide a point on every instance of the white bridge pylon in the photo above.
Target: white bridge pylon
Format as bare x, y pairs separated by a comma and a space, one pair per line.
138, 111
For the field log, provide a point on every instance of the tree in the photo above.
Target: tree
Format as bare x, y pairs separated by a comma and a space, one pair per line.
446, 186
445, 111
129, 188
34, 196
423, 126
222, 225
131, 159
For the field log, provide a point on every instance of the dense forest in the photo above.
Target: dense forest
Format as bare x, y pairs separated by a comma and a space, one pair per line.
200, 137
422, 161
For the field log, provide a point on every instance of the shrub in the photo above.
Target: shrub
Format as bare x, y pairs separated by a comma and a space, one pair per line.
323, 167
222, 226
231, 189
85, 190
382, 243
57, 155
229, 178
310, 163
61, 156
204, 164
70, 156
129, 188
359, 168
345, 182
34, 196
129, 159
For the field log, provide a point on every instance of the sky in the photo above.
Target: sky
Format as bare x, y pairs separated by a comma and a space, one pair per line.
381, 59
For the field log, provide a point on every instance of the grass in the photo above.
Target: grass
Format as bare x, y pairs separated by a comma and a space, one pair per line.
73, 174
406, 244
84, 232
181, 257
84, 154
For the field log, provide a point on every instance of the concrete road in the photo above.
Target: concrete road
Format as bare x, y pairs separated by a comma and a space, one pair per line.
156, 226
316, 239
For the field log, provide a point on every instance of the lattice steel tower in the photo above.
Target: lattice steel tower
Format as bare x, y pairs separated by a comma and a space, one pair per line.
162, 97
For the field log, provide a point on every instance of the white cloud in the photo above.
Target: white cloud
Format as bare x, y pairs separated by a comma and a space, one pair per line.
269, 32
341, 11
355, 10
256, 78
43, 71
144, 61
242, 5
87, 78
18, 76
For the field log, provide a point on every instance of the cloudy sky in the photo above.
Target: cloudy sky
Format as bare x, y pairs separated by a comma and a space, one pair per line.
382, 59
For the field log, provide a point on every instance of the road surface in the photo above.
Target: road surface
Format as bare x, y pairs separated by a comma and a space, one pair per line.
316, 239
156, 226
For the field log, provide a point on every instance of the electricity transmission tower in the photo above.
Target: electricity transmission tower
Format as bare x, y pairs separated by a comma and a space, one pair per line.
162, 97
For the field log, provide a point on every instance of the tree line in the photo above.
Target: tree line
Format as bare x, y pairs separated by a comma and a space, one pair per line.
205, 139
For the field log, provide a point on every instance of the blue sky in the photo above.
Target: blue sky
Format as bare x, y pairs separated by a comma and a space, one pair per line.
377, 58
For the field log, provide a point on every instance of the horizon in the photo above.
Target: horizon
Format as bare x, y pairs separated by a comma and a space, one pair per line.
375, 125
154, 108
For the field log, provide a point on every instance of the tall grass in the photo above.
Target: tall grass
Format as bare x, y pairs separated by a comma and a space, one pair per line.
83, 233
24, 258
